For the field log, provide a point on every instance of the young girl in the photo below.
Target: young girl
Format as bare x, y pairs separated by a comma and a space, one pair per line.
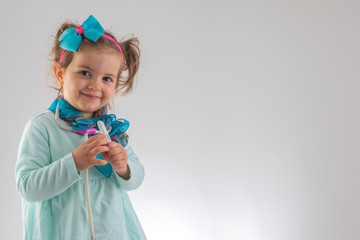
73, 182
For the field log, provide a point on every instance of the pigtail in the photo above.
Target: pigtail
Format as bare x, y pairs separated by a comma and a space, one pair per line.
131, 53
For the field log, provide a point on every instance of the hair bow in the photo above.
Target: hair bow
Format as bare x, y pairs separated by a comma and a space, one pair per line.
72, 37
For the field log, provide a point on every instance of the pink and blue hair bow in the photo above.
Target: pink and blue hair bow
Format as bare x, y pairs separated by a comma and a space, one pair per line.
91, 29
72, 37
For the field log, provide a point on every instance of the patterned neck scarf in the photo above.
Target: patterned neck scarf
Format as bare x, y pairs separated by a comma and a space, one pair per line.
78, 122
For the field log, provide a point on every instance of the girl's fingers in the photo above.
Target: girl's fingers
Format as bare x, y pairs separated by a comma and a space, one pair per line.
118, 164
118, 160
113, 144
118, 157
97, 142
99, 149
116, 148
98, 136
99, 162
114, 151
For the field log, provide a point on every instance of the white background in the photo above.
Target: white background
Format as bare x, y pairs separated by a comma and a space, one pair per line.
245, 113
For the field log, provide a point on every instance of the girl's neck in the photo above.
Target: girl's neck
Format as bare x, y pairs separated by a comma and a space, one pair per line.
88, 115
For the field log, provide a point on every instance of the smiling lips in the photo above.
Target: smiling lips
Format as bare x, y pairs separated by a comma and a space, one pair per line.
90, 96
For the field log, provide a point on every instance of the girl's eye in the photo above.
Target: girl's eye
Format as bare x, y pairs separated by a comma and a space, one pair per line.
85, 73
107, 79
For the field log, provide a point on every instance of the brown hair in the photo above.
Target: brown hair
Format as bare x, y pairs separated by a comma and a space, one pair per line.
130, 48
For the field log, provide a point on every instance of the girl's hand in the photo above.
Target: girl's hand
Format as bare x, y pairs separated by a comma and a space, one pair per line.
118, 159
85, 155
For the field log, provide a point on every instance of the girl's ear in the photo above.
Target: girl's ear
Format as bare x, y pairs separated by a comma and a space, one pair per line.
59, 73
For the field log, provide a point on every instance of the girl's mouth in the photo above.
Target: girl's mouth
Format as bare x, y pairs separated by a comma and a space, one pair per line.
90, 97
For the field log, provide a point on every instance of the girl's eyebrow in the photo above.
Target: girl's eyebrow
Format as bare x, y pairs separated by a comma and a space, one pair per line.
84, 66
107, 74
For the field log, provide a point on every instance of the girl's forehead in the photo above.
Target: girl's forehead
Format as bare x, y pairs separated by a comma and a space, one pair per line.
92, 52
98, 59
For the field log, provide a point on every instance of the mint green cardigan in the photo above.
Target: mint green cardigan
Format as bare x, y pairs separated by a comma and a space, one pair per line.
53, 192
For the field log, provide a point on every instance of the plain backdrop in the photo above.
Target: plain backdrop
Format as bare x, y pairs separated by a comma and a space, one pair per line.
244, 113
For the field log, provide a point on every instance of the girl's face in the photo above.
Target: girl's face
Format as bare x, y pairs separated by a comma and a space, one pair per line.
89, 81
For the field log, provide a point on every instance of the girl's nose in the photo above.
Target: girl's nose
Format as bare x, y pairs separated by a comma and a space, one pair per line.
95, 84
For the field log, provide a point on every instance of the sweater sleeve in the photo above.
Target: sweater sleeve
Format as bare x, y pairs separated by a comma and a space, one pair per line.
136, 170
38, 176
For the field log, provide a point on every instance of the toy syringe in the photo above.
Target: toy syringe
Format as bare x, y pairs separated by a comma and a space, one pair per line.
103, 130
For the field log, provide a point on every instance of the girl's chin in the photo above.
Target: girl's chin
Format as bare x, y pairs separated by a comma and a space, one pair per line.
87, 108
88, 112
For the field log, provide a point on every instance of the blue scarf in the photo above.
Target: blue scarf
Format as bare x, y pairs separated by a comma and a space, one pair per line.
78, 123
